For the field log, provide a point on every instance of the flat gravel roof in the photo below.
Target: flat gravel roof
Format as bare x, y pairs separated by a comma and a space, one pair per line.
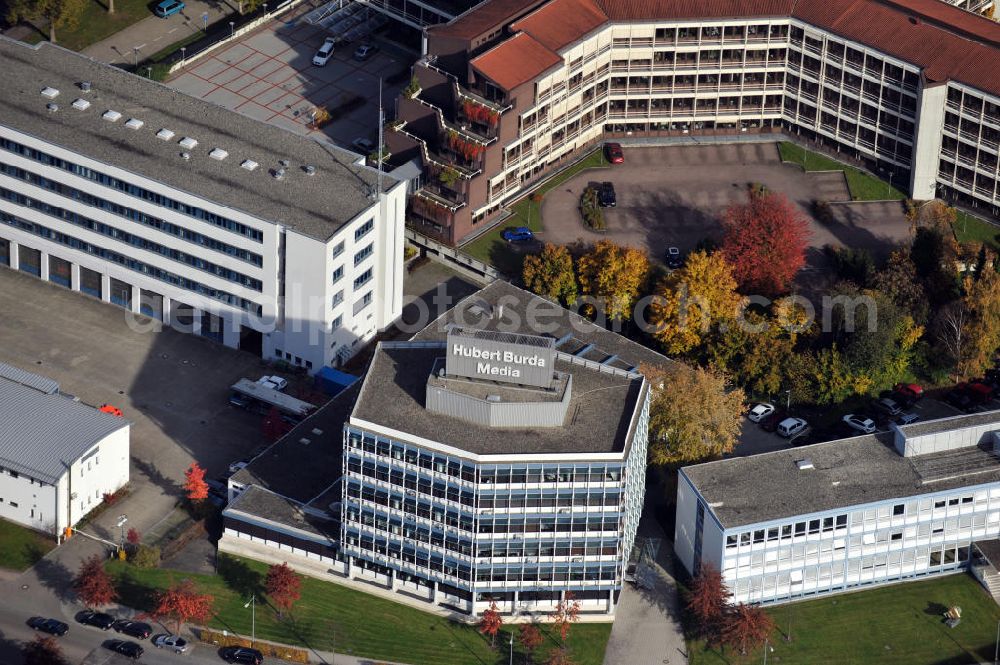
314, 205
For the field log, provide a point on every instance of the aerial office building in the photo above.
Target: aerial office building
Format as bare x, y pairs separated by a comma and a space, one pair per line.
179, 210
480, 461
58, 457
514, 88
845, 514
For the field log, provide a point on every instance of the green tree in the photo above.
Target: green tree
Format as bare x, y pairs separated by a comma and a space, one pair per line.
614, 275
550, 274
57, 13
899, 281
693, 415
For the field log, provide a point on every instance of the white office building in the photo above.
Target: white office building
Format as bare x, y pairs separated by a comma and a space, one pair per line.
58, 457
921, 500
181, 211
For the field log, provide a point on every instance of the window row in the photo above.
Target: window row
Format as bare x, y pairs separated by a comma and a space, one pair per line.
411, 506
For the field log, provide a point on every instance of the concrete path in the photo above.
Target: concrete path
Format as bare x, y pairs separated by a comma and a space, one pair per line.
153, 34
647, 628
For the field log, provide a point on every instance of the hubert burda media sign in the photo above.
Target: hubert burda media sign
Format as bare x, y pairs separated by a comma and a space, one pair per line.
523, 359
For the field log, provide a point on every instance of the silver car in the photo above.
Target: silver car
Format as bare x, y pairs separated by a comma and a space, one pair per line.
174, 643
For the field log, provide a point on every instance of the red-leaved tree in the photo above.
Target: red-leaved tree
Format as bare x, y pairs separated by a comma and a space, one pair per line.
194, 484
43, 650
765, 242
92, 583
560, 656
530, 639
706, 600
182, 603
133, 537
567, 612
490, 623
282, 585
746, 627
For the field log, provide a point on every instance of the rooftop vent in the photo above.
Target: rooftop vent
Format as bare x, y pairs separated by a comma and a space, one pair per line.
493, 398
804, 464
249, 164
52, 107
185, 156
81, 104
835, 483
111, 115
134, 123
304, 441
188, 143
278, 174
218, 154
164, 135
51, 93
309, 169
84, 85
317, 431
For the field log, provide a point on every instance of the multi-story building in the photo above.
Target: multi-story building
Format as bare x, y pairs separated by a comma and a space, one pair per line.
481, 461
58, 457
179, 210
513, 88
840, 515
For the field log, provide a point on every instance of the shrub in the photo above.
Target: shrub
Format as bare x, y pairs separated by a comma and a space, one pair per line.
409, 252
590, 208
269, 650
145, 556
537, 197
822, 212
412, 88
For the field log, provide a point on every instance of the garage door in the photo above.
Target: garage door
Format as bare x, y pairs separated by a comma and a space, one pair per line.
90, 282
29, 260
59, 271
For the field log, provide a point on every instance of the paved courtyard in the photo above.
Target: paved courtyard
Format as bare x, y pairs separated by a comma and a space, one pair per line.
268, 75
674, 195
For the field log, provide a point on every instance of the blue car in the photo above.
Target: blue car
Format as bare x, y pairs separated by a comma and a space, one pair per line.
518, 234
168, 8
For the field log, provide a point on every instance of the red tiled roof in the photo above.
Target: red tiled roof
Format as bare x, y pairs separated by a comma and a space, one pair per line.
483, 18
561, 22
651, 10
520, 59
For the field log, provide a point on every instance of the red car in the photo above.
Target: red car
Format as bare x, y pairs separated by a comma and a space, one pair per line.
613, 151
911, 390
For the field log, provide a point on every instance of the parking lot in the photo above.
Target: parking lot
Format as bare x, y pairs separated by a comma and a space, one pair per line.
674, 195
268, 75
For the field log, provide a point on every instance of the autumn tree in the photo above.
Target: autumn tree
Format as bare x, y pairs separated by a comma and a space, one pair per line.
550, 274
530, 638
282, 585
765, 241
693, 415
92, 583
490, 623
182, 602
899, 281
57, 13
693, 302
566, 613
706, 600
982, 301
133, 537
934, 251
613, 276
746, 627
194, 484
560, 656
43, 650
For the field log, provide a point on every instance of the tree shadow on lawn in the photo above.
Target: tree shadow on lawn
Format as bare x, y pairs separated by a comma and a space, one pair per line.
461, 636
240, 578
135, 594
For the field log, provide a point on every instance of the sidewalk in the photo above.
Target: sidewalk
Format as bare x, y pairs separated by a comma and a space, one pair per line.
153, 34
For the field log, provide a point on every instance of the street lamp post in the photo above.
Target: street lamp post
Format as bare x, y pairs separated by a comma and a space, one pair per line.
252, 604
767, 648
232, 29
511, 661
788, 400
996, 648
183, 55
135, 55
122, 519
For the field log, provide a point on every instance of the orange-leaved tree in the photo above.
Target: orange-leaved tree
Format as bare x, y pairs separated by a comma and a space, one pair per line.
490, 623
92, 583
194, 483
746, 627
550, 274
566, 612
282, 585
530, 639
706, 601
182, 602
613, 276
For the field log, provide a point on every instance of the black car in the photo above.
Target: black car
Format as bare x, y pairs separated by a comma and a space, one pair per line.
133, 628
125, 648
959, 399
606, 195
50, 626
96, 619
243, 655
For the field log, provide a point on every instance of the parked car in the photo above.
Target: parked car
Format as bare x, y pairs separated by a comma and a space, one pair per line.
125, 648
168, 8
133, 628
96, 619
273, 382
364, 52
860, 423
674, 259
889, 406
236, 466
50, 626
906, 418
910, 390
325, 52
242, 655
992, 378
789, 427
517, 234
980, 390
174, 643
363, 146
238, 400
960, 398
606, 196
770, 423
760, 411
613, 153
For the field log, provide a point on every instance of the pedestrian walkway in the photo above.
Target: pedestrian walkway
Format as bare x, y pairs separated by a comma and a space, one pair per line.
647, 628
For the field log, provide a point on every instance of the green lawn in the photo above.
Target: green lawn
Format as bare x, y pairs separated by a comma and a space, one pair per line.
96, 23
332, 617
20, 548
899, 624
864, 187
973, 229
491, 248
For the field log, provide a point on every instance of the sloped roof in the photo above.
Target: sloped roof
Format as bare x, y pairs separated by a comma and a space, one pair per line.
482, 18
559, 23
41, 433
520, 59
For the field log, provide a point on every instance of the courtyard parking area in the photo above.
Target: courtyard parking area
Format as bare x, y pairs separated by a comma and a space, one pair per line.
675, 195
268, 75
